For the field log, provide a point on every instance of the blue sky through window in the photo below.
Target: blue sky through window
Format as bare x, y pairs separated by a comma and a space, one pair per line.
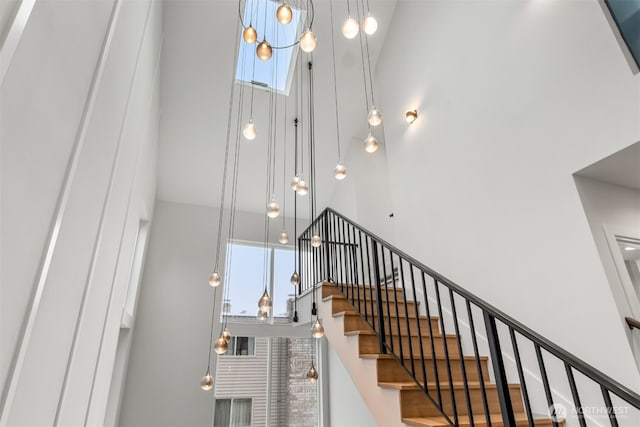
249, 67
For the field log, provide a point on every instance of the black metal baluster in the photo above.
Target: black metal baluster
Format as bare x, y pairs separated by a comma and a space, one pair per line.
575, 395
415, 306
465, 382
381, 334
386, 290
431, 340
483, 389
395, 301
406, 316
354, 277
339, 257
327, 242
371, 282
502, 384
364, 281
345, 263
545, 383
607, 401
446, 352
523, 382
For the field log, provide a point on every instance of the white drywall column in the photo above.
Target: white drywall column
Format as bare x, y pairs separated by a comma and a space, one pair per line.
78, 149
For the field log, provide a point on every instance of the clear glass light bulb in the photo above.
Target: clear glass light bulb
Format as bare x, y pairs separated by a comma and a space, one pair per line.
265, 303
249, 131
303, 187
273, 210
340, 171
250, 35
294, 183
370, 25
221, 345
283, 238
215, 279
375, 117
308, 41
350, 28
370, 144
312, 374
262, 315
316, 241
295, 279
284, 14
226, 334
263, 50
317, 330
206, 383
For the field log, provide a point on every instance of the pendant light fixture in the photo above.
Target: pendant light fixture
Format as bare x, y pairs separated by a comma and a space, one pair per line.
221, 344
370, 144
312, 373
284, 14
273, 210
264, 50
283, 238
206, 383
350, 26
250, 35
340, 171
226, 334
215, 279
249, 131
375, 117
370, 24
317, 330
308, 41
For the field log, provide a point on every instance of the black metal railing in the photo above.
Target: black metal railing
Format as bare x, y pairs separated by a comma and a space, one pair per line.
442, 334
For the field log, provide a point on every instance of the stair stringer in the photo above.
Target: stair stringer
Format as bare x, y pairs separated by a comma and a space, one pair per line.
384, 404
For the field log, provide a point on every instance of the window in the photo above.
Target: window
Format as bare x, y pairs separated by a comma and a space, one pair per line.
232, 413
264, 74
626, 14
247, 275
241, 346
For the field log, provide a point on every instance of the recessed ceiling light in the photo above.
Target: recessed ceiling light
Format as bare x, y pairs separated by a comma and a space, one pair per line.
630, 248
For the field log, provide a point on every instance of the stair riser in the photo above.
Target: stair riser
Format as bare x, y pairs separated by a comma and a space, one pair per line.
356, 323
414, 403
390, 370
338, 305
369, 344
363, 293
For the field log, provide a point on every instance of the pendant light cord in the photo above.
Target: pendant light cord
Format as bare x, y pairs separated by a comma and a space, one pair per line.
335, 80
366, 43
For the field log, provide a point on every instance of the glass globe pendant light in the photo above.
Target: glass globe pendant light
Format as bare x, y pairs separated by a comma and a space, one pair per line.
262, 315
308, 41
264, 50
284, 14
302, 188
273, 210
250, 35
370, 144
375, 117
294, 183
350, 28
249, 131
317, 330
206, 383
340, 172
283, 238
226, 334
265, 303
316, 241
221, 345
312, 374
370, 25
215, 279
295, 279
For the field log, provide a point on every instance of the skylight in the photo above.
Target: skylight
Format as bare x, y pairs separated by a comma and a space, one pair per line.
277, 73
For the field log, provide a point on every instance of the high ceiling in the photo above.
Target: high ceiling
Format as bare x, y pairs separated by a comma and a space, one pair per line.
199, 55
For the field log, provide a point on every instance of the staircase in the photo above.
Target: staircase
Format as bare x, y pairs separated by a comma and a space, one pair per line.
441, 355
415, 408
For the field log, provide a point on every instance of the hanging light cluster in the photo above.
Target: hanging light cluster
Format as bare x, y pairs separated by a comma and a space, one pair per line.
284, 15
351, 27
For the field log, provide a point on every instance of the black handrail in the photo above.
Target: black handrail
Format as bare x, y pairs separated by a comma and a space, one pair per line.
359, 262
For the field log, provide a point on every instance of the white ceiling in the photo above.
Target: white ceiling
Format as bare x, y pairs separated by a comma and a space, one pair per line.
197, 64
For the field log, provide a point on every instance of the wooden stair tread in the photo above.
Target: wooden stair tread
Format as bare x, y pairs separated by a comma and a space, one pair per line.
417, 357
355, 313
411, 385
478, 420
368, 300
370, 332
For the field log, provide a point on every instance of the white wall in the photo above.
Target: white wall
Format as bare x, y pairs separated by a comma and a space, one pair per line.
513, 98
347, 409
171, 334
78, 112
